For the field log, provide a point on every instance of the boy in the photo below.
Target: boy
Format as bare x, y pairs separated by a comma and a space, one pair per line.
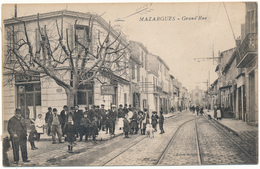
154, 120
94, 129
126, 127
161, 121
70, 132
32, 137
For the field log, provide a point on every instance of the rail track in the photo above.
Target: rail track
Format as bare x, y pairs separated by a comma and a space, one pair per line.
198, 154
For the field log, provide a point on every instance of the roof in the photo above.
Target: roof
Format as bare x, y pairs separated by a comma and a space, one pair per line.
48, 15
160, 59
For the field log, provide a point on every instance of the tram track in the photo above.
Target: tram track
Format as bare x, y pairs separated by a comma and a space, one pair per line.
226, 134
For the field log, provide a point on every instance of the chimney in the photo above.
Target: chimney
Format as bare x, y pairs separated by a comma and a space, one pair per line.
15, 10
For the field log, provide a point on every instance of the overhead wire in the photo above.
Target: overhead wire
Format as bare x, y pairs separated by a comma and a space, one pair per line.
229, 22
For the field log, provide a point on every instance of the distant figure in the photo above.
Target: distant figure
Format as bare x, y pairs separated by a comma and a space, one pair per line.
161, 121
219, 113
64, 113
126, 128
47, 115
154, 120
197, 109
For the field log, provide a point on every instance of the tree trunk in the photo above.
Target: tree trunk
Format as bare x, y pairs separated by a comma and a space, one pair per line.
70, 98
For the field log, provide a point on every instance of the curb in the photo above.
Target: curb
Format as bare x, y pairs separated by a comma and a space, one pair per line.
224, 126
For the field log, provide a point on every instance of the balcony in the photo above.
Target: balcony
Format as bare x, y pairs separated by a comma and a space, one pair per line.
157, 89
247, 51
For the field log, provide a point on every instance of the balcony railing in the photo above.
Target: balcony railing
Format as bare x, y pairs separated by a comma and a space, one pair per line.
249, 45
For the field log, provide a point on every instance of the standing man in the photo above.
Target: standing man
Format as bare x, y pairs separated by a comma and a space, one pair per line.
78, 115
113, 117
55, 121
98, 115
125, 109
91, 113
103, 117
47, 115
64, 113
18, 135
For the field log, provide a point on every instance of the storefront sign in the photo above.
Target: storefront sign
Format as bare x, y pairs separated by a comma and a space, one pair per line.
26, 78
108, 90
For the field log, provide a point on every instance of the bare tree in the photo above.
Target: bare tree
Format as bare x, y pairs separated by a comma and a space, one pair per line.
85, 58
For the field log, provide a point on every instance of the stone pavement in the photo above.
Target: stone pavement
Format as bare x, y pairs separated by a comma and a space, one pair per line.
232, 124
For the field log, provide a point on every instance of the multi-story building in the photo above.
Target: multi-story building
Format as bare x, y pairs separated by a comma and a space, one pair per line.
139, 51
36, 92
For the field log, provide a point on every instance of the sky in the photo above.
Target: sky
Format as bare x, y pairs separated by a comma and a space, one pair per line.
177, 42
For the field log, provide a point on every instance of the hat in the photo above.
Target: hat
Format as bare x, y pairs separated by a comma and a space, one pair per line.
102, 105
65, 106
120, 105
113, 105
54, 110
18, 111
154, 112
145, 109
126, 105
97, 106
49, 108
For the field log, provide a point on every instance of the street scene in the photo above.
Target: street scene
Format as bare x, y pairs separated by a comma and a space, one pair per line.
140, 84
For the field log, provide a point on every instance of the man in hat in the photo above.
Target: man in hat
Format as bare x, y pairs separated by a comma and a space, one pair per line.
103, 117
125, 109
55, 121
64, 113
98, 115
91, 113
113, 117
18, 135
47, 115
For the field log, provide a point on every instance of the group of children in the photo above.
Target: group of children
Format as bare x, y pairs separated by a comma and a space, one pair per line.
133, 122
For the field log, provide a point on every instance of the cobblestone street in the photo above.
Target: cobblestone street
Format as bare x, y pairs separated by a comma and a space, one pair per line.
140, 150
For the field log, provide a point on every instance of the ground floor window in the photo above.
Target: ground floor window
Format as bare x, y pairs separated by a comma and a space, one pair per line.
85, 95
28, 98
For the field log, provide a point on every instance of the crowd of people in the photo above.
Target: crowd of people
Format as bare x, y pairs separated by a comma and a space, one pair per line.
75, 124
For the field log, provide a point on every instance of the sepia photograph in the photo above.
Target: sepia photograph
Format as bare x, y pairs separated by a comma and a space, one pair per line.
129, 84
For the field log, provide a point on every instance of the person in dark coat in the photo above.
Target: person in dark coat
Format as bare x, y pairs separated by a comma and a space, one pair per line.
201, 111
47, 115
55, 122
113, 116
108, 122
125, 109
32, 137
18, 135
121, 113
215, 111
94, 129
92, 113
197, 109
103, 117
85, 127
63, 115
98, 115
134, 125
78, 115
126, 128
70, 132
161, 121
154, 118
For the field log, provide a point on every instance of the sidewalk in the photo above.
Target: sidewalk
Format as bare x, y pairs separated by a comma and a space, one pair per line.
233, 125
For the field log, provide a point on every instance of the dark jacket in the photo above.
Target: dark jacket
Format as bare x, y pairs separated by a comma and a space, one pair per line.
64, 116
51, 119
121, 113
126, 126
47, 115
91, 114
70, 131
154, 119
161, 119
112, 115
78, 115
18, 127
